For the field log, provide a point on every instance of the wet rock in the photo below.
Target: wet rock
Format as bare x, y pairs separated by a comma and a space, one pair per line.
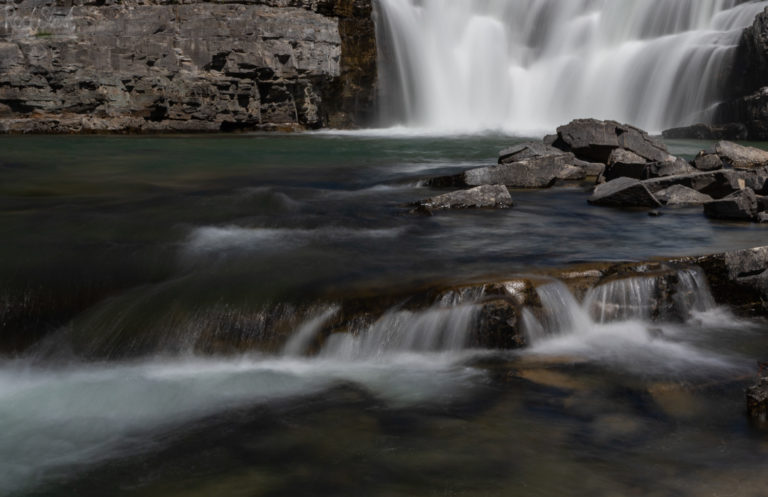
646, 170
717, 184
593, 140
757, 401
707, 161
741, 157
623, 192
527, 150
497, 326
481, 197
681, 196
739, 206
737, 278
536, 172
728, 131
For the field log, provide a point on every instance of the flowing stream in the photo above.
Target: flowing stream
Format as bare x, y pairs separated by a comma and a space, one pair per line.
528, 66
184, 319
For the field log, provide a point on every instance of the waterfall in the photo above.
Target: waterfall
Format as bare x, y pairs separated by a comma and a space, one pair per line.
638, 299
439, 329
532, 65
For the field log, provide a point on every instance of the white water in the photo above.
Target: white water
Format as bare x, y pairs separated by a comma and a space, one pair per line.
528, 66
57, 420
614, 325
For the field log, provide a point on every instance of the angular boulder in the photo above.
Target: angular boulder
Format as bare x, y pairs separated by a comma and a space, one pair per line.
740, 206
593, 140
528, 150
536, 172
707, 161
740, 157
681, 196
624, 192
481, 197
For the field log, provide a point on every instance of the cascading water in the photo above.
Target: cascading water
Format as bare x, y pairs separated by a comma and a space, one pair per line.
532, 65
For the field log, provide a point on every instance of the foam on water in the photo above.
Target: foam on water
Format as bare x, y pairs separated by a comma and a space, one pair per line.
58, 419
528, 65
217, 238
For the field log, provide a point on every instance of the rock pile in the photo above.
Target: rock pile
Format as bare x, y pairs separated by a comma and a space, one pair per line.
632, 169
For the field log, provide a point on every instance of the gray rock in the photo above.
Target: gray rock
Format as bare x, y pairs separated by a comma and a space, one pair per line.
481, 197
593, 140
624, 192
537, 172
739, 206
187, 66
681, 196
706, 161
757, 401
527, 150
645, 169
590, 168
741, 157
717, 184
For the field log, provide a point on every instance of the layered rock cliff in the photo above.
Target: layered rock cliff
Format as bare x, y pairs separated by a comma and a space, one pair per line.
189, 65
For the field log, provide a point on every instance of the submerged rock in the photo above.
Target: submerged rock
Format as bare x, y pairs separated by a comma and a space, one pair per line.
593, 140
741, 157
624, 192
481, 197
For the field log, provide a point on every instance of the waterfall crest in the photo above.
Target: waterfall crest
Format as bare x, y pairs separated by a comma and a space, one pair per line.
531, 65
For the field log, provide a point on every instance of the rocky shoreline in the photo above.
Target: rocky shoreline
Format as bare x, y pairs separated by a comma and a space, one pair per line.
632, 170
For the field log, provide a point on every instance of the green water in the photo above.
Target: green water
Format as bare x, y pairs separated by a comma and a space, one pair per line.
132, 242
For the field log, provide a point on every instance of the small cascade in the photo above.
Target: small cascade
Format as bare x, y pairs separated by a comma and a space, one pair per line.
298, 343
561, 311
624, 299
438, 329
693, 292
643, 298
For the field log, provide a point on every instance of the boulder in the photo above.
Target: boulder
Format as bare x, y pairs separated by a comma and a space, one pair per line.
590, 168
708, 161
527, 150
681, 196
717, 184
757, 401
739, 206
645, 170
498, 326
727, 131
593, 140
624, 192
481, 197
536, 172
738, 156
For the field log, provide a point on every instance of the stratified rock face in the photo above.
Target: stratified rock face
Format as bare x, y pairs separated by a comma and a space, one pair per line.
196, 66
